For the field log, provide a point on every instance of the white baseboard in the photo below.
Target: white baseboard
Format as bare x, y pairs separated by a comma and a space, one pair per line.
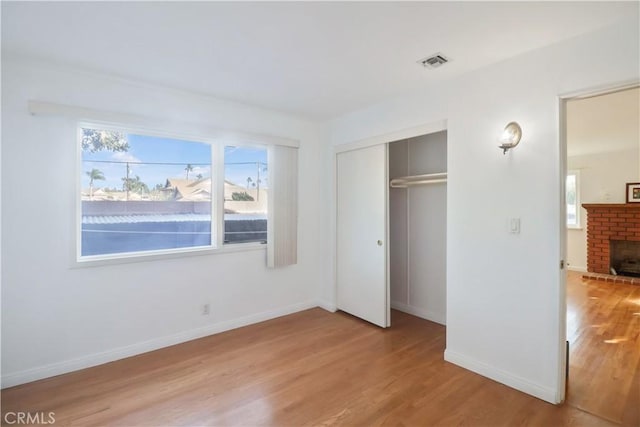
578, 269
326, 305
58, 368
506, 378
419, 312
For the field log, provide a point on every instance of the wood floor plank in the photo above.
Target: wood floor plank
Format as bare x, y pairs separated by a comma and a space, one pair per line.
604, 335
307, 369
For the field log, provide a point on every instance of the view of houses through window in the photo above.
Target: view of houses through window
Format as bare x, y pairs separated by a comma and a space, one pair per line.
148, 193
245, 194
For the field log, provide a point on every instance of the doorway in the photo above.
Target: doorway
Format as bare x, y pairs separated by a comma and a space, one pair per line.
602, 311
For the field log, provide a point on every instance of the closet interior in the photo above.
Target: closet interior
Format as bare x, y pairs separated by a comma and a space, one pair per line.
418, 225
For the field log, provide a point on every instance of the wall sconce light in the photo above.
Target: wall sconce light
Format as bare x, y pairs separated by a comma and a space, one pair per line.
510, 136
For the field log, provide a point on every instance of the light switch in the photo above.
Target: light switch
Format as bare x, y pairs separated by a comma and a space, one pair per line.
514, 225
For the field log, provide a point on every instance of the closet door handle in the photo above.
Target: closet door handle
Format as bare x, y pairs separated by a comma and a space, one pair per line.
379, 242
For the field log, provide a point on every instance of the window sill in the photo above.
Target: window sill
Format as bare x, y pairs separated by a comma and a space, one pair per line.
128, 258
570, 227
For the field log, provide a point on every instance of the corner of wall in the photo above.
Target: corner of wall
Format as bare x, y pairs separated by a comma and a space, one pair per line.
547, 394
326, 305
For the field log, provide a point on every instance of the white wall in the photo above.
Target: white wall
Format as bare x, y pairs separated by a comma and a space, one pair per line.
603, 179
398, 226
428, 229
504, 301
56, 318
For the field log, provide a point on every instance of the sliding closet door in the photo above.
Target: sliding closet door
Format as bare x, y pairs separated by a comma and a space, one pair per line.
361, 233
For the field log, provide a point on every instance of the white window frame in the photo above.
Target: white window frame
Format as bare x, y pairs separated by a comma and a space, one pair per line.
578, 224
194, 131
217, 244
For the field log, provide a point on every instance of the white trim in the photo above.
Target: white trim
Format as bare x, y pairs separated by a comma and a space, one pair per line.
578, 269
387, 239
76, 250
399, 135
600, 90
561, 350
545, 393
333, 226
419, 312
407, 239
46, 371
147, 124
217, 154
144, 256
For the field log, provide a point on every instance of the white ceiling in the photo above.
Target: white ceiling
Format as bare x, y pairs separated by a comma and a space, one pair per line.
604, 123
314, 59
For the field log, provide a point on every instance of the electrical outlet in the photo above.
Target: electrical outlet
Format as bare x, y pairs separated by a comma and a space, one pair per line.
514, 225
206, 309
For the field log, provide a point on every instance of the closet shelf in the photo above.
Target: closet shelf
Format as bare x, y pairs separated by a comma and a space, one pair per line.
408, 181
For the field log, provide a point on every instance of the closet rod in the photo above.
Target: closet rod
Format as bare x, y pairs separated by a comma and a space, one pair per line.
408, 181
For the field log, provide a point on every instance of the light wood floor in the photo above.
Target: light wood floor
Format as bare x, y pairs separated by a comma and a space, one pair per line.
603, 329
309, 368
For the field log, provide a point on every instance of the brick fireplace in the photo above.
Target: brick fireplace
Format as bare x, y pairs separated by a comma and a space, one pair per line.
613, 234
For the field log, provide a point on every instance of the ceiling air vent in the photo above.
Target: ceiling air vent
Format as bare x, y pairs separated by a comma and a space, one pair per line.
434, 61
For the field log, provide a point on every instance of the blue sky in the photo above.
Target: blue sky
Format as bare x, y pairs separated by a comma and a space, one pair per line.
166, 150
245, 162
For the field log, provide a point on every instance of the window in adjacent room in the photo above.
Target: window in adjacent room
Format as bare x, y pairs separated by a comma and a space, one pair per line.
573, 199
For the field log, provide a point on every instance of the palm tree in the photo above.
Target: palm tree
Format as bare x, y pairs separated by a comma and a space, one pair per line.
94, 175
189, 168
249, 181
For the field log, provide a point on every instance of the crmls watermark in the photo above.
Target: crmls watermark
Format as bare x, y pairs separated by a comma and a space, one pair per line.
21, 417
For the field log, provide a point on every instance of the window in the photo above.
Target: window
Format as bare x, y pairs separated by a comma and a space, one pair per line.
147, 194
572, 198
245, 194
